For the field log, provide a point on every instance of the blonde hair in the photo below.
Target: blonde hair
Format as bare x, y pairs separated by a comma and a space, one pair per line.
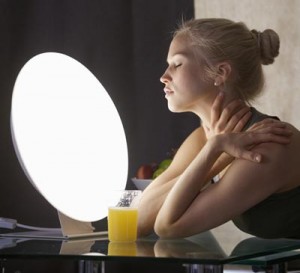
218, 40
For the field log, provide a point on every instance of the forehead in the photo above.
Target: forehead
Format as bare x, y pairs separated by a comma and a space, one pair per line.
180, 45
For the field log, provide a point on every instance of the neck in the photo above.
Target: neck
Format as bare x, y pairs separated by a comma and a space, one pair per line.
204, 110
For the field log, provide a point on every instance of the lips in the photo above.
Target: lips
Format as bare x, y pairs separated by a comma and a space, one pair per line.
168, 91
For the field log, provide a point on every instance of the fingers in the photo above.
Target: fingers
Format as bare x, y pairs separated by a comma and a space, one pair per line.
239, 120
271, 137
232, 118
276, 129
251, 156
273, 130
267, 122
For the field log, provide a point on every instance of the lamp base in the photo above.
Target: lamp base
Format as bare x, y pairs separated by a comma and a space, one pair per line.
73, 229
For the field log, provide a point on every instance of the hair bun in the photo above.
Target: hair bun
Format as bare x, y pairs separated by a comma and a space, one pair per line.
268, 43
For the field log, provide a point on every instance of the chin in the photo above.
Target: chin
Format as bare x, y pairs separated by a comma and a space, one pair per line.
175, 108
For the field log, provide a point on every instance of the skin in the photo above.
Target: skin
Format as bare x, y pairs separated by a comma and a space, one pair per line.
252, 164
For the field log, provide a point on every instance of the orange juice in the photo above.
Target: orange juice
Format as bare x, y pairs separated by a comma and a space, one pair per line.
122, 224
122, 249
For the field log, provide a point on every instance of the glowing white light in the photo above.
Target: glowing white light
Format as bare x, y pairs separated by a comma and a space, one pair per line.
68, 135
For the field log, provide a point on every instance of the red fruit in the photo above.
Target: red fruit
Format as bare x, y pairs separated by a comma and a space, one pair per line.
145, 171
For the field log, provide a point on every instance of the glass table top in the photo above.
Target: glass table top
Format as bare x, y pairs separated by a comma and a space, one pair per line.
204, 248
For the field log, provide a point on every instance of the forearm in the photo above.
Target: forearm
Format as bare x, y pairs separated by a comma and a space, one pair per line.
150, 203
187, 187
155, 195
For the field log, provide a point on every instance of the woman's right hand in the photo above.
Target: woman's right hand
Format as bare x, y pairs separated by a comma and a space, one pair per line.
231, 118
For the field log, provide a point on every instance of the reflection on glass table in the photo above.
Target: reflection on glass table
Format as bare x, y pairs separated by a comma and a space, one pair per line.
276, 254
199, 253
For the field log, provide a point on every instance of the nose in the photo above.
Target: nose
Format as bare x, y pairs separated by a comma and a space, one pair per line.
165, 77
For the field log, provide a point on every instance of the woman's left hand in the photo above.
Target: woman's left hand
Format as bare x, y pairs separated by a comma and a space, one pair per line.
239, 145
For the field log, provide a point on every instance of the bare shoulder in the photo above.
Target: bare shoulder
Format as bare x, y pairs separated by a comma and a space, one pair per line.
185, 154
191, 146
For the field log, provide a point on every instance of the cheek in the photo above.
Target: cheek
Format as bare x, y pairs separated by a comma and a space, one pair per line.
197, 83
189, 78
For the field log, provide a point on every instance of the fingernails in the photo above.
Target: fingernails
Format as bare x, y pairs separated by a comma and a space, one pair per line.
258, 158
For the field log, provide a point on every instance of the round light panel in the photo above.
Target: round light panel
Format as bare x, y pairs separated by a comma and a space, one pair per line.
68, 135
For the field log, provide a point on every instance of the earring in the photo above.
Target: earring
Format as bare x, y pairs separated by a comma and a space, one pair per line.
215, 84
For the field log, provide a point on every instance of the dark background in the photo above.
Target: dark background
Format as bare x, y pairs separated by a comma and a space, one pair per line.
124, 43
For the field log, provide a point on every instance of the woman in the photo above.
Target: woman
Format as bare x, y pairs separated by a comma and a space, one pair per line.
215, 70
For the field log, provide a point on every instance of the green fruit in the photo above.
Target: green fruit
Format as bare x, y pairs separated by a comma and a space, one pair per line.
158, 172
162, 167
165, 163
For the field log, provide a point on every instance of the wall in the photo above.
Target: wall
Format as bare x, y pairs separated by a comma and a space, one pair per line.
281, 96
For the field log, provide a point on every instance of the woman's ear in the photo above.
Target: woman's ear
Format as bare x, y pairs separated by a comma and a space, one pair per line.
223, 71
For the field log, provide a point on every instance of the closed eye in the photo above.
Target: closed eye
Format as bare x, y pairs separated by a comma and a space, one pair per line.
177, 65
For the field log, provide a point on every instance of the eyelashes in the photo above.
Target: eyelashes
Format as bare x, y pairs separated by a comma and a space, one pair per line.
177, 65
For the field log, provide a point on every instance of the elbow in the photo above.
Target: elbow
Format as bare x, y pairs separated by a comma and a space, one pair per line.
143, 230
144, 226
165, 230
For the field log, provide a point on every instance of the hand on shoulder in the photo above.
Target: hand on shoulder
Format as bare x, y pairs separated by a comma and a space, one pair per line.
239, 145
